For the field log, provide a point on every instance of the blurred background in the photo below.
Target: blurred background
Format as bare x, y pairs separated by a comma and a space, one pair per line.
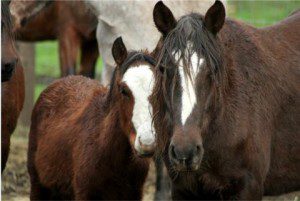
257, 13
42, 68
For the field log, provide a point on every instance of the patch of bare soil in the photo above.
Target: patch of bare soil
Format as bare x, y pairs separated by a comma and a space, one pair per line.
15, 180
16, 185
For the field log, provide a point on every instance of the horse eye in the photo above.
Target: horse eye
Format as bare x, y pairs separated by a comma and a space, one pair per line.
161, 69
124, 91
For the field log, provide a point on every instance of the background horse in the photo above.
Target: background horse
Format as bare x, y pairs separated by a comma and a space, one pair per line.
23, 10
9, 56
227, 105
12, 83
117, 18
72, 25
77, 127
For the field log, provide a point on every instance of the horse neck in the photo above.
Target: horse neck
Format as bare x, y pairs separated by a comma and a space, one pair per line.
113, 137
242, 58
218, 89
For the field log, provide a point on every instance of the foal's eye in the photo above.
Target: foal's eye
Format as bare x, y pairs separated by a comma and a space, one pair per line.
125, 91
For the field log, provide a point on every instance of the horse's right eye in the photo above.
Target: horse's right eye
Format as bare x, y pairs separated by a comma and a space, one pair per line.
125, 91
161, 69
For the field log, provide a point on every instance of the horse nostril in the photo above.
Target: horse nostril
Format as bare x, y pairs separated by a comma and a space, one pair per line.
198, 149
23, 22
172, 151
178, 155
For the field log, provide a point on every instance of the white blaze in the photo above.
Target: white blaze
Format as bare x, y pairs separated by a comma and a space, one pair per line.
140, 80
188, 97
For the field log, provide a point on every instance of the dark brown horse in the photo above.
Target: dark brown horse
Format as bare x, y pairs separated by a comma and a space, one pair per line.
24, 10
12, 83
79, 143
9, 56
73, 26
226, 105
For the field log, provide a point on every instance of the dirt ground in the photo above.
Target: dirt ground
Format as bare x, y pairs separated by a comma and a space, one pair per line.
15, 180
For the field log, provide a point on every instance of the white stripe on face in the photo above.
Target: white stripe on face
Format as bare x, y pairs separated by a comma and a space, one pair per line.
140, 80
188, 96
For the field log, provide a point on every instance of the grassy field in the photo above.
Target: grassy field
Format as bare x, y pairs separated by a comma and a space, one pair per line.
262, 13
47, 63
257, 13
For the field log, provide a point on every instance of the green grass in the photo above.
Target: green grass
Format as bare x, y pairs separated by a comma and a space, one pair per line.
47, 59
47, 63
262, 13
257, 13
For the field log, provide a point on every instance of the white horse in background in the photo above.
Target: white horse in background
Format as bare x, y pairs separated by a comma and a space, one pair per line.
133, 21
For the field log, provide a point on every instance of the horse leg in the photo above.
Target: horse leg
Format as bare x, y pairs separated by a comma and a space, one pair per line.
89, 56
37, 190
69, 43
162, 181
5, 144
107, 72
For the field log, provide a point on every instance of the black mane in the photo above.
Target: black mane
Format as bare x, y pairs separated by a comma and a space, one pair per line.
190, 28
6, 22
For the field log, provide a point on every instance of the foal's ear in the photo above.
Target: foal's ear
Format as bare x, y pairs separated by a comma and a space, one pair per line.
119, 51
163, 18
215, 17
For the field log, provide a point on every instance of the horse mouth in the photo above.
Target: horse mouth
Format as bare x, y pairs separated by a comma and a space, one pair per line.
145, 154
186, 168
145, 150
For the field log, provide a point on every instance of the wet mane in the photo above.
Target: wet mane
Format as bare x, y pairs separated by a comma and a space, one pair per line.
6, 19
189, 30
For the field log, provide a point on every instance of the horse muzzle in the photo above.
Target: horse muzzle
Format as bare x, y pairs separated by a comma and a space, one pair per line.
144, 150
186, 158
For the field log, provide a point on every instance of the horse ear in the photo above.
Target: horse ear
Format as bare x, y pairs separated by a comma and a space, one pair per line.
119, 51
215, 17
163, 18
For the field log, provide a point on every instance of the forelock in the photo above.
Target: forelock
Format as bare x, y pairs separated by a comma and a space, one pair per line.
189, 30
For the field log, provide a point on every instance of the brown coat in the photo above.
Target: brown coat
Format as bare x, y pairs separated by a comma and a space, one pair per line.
79, 144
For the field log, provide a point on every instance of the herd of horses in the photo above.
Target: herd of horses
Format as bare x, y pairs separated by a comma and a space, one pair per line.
217, 99
73, 27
